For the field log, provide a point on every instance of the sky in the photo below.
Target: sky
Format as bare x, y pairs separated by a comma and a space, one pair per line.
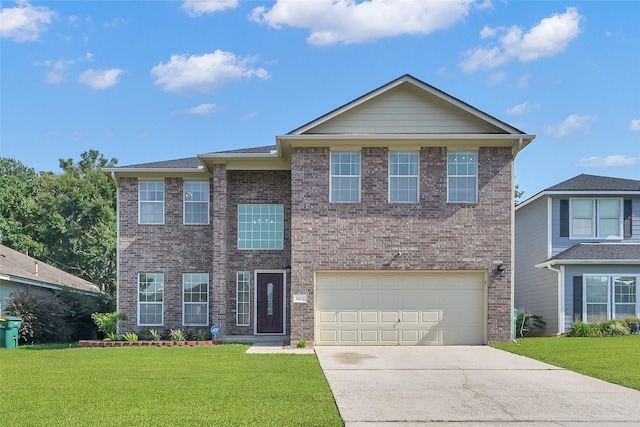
146, 81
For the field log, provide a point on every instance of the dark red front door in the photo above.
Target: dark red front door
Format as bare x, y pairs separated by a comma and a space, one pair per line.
270, 311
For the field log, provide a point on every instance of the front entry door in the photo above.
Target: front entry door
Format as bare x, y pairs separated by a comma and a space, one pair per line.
269, 300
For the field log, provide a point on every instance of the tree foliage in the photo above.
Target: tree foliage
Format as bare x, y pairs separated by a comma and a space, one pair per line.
68, 219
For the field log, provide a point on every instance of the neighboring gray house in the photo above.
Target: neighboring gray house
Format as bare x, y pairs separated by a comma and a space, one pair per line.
386, 221
20, 272
577, 251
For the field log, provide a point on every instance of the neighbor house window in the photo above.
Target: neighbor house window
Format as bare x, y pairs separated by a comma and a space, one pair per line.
243, 308
196, 202
596, 218
610, 297
345, 177
150, 299
462, 172
403, 176
151, 202
195, 297
260, 226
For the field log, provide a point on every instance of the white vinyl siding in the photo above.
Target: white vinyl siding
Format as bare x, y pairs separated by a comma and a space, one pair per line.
151, 202
196, 202
261, 227
345, 177
243, 306
195, 297
150, 299
404, 176
601, 218
462, 172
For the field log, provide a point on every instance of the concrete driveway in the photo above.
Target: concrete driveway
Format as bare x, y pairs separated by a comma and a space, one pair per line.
470, 386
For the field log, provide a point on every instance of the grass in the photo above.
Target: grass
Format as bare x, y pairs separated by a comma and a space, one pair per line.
612, 359
162, 386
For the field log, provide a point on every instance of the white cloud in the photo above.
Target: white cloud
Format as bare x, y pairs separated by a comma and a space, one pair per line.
616, 160
348, 21
635, 124
100, 79
202, 109
115, 22
523, 108
205, 72
523, 82
249, 116
497, 78
200, 7
549, 37
574, 124
24, 22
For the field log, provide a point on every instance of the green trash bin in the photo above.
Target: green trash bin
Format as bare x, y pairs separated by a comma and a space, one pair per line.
9, 329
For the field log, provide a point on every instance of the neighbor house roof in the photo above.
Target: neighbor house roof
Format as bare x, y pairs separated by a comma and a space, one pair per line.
593, 184
20, 268
597, 253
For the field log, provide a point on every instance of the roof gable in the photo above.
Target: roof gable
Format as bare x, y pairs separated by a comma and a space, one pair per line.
406, 106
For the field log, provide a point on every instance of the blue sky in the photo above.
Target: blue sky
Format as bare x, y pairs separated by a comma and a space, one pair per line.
146, 81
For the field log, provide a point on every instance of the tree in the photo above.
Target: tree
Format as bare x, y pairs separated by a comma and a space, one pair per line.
518, 194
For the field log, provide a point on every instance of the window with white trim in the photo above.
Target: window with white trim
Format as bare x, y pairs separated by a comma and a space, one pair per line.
403, 176
462, 176
610, 297
261, 227
151, 202
600, 218
243, 307
345, 177
195, 299
196, 202
150, 299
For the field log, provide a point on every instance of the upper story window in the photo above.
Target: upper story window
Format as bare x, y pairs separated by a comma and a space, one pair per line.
345, 177
196, 202
151, 202
150, 299
260, 226
403, 176
462, 176
595, 218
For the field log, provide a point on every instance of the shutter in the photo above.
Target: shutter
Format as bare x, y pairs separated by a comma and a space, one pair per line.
577, 298
564, 218
627, 219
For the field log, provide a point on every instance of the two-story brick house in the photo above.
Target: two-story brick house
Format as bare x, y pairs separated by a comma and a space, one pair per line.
385, 221
577, 252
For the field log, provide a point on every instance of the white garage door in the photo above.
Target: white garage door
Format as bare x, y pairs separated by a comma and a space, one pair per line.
400, 308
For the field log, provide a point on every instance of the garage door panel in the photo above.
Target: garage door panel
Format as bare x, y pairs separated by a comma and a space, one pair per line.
408, 309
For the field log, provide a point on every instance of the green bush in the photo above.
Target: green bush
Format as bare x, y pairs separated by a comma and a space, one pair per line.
528, 324
581, 329
80, 307
108, 322
607, 328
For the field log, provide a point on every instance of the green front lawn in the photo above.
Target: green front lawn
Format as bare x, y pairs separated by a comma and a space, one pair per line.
612, 359
162, 386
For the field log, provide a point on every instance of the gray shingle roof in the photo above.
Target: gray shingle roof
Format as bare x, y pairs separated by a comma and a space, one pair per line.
586, 182
19, 266
601, 251
186, 163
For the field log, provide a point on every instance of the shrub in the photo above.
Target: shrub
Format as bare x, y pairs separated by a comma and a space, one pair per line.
80, 307
528, 324
155, 335
177, 335
607, 328
130, 336
44, 316
108, 322
581, 329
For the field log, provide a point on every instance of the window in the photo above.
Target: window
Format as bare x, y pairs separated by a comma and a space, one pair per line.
462, 171
151, 202
260, 226
610, 297
242, 298
345, 177
403, 176
150, 299
596, 218
196, 202
195, 297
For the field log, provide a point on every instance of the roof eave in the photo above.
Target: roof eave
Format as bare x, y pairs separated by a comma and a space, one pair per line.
553, 262
620, 193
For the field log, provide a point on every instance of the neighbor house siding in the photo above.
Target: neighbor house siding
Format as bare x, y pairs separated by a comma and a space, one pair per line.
431, 234
401, 111
172, 248
536, 290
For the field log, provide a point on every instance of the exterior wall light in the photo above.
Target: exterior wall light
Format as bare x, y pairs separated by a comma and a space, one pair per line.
501, 270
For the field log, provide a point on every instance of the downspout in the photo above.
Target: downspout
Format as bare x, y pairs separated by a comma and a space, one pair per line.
115, 181
513, 233
560, 273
